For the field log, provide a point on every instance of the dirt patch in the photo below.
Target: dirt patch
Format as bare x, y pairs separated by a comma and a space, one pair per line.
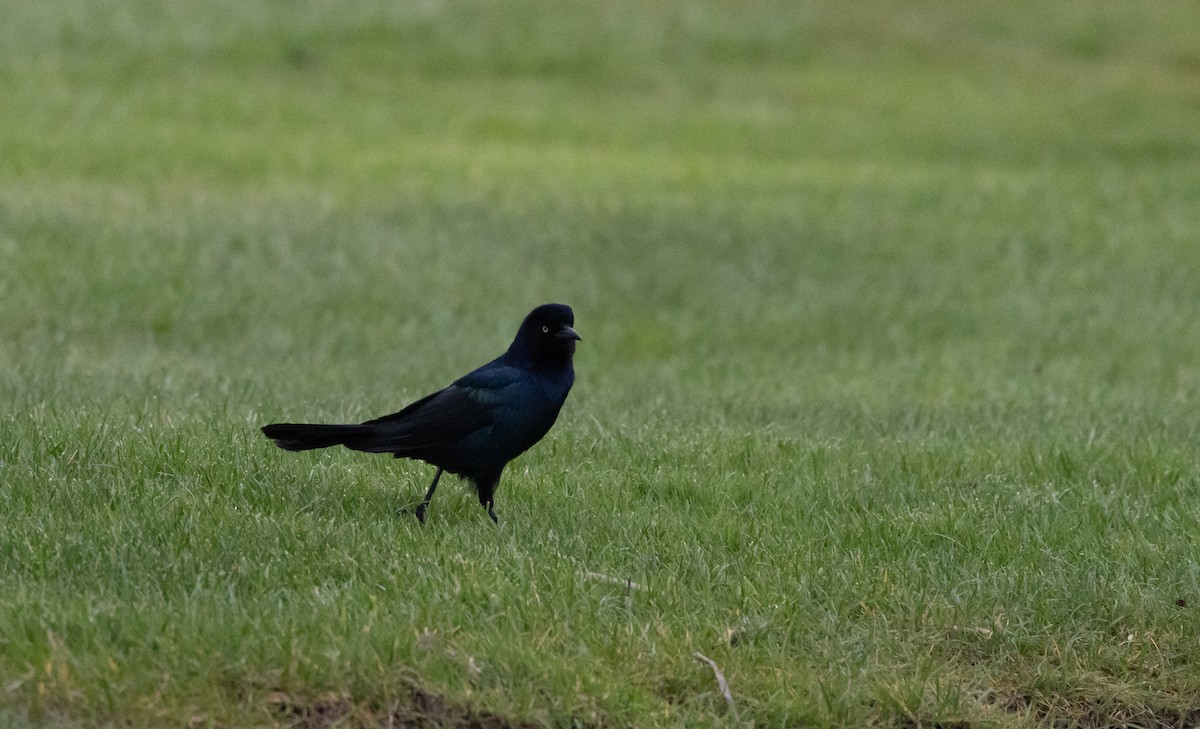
419, 709
1094, 714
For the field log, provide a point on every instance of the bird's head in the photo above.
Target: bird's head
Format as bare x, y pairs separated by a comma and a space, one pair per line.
546, 336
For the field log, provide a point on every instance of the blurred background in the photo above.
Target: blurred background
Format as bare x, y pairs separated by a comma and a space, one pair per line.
931, 196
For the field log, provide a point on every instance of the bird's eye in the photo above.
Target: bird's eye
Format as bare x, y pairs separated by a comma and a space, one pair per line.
545, 329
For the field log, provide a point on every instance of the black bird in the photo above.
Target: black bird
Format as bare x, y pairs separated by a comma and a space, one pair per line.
479, 423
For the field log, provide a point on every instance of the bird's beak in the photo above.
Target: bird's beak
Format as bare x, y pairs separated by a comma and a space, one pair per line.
568, 333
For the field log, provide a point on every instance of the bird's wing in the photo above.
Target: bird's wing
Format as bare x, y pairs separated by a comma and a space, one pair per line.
494, 384
445, 416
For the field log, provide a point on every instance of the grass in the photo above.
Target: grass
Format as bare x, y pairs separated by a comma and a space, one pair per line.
887, 398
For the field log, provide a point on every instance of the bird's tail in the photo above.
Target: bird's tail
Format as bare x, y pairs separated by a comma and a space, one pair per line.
306, 436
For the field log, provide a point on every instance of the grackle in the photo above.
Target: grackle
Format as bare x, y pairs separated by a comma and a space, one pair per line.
474, 427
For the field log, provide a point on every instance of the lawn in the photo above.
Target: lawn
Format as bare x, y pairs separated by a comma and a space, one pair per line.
888, 400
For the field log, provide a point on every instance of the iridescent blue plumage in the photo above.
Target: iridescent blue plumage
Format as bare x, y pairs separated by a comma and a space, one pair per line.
479, 423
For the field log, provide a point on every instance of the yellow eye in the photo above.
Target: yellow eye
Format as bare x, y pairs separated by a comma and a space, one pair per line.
545, 329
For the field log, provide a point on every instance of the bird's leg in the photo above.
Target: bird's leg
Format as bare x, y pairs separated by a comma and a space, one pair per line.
487, 496
428, 496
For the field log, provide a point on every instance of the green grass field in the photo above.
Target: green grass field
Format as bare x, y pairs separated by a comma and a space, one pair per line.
888, 399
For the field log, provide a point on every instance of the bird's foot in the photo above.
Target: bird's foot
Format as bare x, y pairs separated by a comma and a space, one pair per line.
492, 513
420, 512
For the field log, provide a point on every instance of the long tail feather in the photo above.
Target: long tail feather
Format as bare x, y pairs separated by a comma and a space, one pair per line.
306, 436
